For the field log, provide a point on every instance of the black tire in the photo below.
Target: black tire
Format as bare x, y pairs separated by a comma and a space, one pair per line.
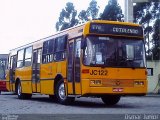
28, 96
110, 99
60, 94
53, 98
20, 94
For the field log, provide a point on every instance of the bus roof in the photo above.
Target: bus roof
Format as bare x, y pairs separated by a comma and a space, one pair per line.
70, 31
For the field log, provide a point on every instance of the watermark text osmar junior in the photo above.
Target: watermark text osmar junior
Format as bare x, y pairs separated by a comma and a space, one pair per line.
142, 117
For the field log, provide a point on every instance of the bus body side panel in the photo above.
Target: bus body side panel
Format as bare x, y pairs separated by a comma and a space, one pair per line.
7, 80
25, 76
10, 86
48, 73
36, 87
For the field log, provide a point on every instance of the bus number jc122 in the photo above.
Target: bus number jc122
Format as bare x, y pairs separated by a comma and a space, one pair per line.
98, 72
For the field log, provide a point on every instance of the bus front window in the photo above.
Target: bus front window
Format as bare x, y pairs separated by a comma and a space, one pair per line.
113, 52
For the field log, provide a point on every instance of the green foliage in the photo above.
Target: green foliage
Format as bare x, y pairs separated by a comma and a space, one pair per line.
89, 14
156, 40
156, 10
83, 16
112, 12
146, 14
67, 17
138, 11
93, 9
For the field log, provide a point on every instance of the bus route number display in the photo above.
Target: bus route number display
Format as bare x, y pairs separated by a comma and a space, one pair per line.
115, 29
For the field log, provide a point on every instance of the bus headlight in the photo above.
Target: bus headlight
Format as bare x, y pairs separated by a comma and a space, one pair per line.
139, 83
95, 82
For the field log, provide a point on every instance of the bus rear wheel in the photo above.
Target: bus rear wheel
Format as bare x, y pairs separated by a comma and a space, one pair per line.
22, 95
61, 95
110, 99
53, 98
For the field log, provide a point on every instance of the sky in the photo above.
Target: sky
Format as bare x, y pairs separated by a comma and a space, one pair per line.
25, 21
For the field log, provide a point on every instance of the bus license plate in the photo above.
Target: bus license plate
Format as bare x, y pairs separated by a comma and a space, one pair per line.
117, 89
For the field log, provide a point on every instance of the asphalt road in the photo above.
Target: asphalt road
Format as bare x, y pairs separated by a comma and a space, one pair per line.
94, 108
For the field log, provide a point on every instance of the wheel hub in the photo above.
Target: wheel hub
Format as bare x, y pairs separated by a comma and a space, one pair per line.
19, 89
62, 91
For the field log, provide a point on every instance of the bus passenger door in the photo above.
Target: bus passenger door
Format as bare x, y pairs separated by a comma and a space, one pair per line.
12, 72
36, 70
73, 77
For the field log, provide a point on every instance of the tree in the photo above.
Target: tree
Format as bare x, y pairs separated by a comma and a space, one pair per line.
138, 11
112, 11
83, 16
67, 17
89, 14
156, 10
93, 9
156, 40
156, 31
146, 14
145, 21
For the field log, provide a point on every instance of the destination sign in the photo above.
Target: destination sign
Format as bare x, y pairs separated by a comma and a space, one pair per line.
116, 29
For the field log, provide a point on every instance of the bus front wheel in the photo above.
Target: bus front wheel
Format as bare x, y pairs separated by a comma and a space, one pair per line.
110, 99
61, 95
22, 95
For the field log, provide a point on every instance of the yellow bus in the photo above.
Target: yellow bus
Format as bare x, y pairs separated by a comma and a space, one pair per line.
100, 58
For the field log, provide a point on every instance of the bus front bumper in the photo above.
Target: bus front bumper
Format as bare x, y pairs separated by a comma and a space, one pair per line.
119, 87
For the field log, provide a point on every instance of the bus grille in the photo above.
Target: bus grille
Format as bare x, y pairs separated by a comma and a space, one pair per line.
118, 83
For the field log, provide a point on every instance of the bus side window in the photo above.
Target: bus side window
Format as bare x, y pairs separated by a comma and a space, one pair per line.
48, 47
28, 56
20, 62
77, 59
60, 48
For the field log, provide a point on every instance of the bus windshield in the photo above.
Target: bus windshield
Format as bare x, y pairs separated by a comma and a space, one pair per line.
113, 52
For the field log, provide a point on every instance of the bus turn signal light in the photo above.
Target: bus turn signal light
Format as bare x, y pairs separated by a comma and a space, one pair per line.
146, 73
85, 70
